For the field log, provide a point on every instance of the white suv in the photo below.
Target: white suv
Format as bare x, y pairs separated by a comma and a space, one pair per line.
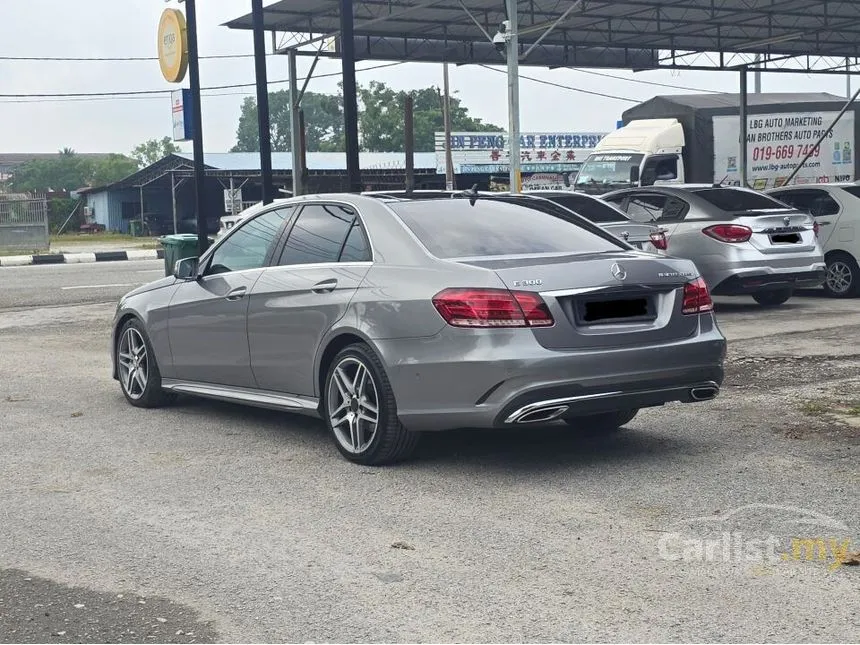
836, 209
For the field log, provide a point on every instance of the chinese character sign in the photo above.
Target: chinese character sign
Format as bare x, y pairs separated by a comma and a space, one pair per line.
480, 152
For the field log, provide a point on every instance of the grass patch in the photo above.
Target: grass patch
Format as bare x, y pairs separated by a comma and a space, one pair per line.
90, 238
819, 408
6, 254
814, 408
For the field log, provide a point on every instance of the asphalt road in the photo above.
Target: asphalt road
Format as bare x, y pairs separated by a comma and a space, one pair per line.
245, 525
51, 285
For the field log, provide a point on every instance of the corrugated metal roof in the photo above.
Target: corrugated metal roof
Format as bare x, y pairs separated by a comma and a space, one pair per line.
657, 33
320, 161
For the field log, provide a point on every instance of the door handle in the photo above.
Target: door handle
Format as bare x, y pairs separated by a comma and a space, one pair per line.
326, 286
236, 294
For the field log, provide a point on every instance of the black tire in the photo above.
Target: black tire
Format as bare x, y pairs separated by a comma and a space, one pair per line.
839, 267
391, 441
601, 423
773, 298
152, 395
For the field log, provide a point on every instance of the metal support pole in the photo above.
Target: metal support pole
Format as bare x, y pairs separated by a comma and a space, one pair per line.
197, 120
514, 97
823, 137
141, 209
847, 79
757, 75
446, 118
742, 138
173, 201
295, 125
409, 142
263, 101
350, 95
303, 149
232, 196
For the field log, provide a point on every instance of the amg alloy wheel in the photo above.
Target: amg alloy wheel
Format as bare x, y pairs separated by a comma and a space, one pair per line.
353, 405
360, 410
137, 369
133, 363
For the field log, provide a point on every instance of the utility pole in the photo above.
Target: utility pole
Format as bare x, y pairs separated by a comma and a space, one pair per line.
446, 117
514, 96
295, 123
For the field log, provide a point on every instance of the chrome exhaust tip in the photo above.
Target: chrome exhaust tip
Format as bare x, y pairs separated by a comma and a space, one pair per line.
704, 393
542, 414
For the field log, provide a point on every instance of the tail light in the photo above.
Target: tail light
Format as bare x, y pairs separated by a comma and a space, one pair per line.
697, 298
816, 227
731, 233
659, 240
492, 308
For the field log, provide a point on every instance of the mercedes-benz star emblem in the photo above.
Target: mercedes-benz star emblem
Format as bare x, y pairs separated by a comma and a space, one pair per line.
618, 272
786, 221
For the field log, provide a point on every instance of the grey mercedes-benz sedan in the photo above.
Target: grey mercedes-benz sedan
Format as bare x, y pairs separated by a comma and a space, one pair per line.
388, 317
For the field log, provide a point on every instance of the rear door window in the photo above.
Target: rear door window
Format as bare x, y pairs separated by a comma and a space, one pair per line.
493, 228
645, 207
319, 234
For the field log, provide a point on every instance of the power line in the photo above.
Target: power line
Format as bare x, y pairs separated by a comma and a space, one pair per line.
566, 87
644, 82
153, 93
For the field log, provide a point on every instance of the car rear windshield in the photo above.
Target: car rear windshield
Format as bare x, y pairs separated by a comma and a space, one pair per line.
457, 229
590, 208
735, 200
853, 190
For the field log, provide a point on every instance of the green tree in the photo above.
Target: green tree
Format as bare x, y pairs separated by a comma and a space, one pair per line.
153, 150
381, 120
323, 123
112, 168
66, 171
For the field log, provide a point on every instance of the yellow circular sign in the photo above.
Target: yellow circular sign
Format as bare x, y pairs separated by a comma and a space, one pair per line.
173, 45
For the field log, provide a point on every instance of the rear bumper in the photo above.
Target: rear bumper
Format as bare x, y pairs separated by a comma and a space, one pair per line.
754, 282
472, 378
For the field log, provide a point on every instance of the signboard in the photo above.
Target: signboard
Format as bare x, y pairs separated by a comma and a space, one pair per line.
233, 205
547, 181
488, 152
777, 143
173, 45
181, 108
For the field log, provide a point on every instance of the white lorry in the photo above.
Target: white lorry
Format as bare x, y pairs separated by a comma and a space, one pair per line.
695, 139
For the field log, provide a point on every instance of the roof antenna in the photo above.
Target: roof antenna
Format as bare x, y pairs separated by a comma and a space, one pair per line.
472, 194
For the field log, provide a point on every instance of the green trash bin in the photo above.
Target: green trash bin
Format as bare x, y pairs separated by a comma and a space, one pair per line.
178, 247
134, 228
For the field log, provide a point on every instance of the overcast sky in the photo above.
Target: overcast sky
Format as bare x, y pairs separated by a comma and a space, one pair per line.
115, 28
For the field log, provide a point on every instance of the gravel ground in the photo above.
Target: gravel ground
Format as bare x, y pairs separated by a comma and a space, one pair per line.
246, 525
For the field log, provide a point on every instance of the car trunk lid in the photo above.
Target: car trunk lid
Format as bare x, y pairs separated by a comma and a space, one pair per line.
610, 299
777, 232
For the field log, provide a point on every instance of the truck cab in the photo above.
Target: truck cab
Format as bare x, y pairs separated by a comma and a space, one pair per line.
642, 153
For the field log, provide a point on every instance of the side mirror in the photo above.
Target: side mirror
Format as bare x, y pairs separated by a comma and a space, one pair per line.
185, 269
634, 174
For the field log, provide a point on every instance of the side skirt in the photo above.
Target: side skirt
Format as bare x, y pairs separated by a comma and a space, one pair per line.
258, 398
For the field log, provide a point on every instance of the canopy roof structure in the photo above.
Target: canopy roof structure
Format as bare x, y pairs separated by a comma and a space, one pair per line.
819, 36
